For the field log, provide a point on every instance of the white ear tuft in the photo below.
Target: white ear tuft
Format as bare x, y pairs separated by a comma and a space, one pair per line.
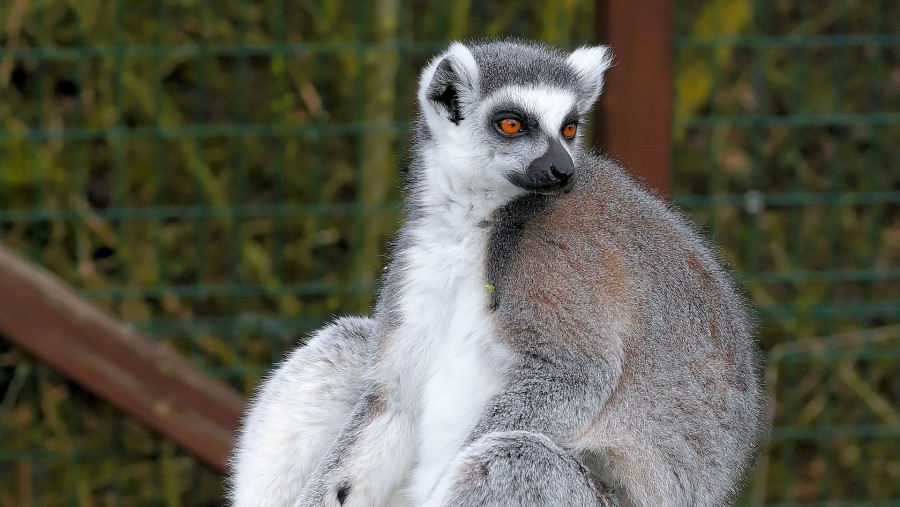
590, 64
448, 84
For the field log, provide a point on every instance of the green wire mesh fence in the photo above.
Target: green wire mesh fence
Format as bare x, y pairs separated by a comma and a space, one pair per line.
787, 122
223, 175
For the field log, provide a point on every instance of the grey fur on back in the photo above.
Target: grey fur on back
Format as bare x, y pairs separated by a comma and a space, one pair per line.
690, 381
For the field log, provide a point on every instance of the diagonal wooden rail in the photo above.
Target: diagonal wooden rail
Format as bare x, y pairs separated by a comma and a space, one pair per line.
149, 380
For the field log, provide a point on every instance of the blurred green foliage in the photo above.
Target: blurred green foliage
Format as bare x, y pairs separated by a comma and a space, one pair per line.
224, 175
787, 117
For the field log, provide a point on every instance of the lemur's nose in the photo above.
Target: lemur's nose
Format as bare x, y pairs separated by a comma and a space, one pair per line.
551, 172
562, 173
555, 164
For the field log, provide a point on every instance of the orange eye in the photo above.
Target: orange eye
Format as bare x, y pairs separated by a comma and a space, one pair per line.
569, 130
510, 126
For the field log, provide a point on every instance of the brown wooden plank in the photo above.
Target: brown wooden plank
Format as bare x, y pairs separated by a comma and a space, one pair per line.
635, 117
149, 380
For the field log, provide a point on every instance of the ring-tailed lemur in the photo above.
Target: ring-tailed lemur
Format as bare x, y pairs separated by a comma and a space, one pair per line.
547, 332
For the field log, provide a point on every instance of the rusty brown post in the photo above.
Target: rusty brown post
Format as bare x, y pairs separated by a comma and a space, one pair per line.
635, 115
149, 380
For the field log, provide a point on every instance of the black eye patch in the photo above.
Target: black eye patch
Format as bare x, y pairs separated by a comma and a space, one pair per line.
511, 111
572, 117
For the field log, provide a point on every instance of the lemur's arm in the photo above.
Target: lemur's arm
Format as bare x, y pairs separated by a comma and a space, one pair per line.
513, 456
568, 347
553, 392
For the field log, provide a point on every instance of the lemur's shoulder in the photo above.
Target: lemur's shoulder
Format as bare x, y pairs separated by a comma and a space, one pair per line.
604, 245
602, 217
604, 187
609, 203
564, 260
608, 207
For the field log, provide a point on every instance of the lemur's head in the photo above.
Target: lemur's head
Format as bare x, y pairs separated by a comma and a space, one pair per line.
506, 115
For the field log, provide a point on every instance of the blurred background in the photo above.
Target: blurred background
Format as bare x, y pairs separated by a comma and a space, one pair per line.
224, 176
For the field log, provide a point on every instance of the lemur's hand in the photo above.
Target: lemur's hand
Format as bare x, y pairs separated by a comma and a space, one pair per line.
368, 461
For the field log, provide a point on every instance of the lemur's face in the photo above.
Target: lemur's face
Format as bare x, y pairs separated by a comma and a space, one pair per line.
507, 116
532, 136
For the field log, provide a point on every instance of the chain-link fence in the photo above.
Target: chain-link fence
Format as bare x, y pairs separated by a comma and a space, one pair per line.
223, 175
787, 122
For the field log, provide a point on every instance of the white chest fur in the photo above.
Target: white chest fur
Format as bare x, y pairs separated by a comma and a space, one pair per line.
447, 336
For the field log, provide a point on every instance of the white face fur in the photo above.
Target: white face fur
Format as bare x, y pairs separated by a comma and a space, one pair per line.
469, 152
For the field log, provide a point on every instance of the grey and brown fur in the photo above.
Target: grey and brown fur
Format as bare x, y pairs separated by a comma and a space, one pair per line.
624, 352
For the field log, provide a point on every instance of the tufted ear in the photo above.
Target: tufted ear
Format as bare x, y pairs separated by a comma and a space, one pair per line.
448, 84
590, 64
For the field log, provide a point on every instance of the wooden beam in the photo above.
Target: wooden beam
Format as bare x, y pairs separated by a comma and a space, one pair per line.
149, 380
635, 117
